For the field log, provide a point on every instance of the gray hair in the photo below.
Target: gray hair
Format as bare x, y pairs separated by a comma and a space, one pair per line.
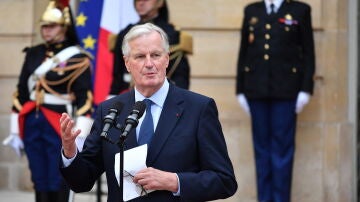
140, 30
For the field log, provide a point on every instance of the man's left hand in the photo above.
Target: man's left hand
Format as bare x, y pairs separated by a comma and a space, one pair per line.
154, 179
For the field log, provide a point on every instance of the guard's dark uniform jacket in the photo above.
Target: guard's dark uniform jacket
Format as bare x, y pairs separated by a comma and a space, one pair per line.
54, 79
178, 71
276, 57
64, 88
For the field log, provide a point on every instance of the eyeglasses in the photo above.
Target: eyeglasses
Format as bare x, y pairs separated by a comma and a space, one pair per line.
143, 191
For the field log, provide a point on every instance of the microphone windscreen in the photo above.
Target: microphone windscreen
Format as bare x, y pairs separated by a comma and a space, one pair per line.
140, 106
118, 106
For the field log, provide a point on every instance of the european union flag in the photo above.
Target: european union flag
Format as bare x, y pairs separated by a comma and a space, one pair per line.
88, 25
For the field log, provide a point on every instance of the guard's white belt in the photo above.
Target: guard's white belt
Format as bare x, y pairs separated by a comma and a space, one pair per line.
53, 99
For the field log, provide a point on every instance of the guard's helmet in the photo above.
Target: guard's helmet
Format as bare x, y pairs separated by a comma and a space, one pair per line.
54, 14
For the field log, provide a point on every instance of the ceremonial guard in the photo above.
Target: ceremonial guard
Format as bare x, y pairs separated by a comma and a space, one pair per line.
178, 71
55, 78
275, 70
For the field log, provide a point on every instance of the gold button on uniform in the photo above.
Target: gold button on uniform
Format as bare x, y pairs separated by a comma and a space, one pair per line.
287, 29
266, 57
247, 69
266, 46
267, 36
294, 70
268, 26
50, 53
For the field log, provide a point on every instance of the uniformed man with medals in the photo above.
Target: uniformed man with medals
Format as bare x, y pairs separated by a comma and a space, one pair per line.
275, 70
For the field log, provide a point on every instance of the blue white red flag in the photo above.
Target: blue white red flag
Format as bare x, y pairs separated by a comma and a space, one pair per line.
96, 20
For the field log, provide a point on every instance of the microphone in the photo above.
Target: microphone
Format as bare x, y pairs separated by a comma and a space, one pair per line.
109, 119
133, 119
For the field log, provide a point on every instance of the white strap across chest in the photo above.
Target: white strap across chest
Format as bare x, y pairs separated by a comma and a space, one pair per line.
50, 63
62, 56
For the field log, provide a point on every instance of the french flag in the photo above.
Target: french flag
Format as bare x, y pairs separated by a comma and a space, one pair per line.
96, 22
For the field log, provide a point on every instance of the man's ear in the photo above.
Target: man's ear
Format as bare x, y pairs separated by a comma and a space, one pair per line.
168, 60
126, 60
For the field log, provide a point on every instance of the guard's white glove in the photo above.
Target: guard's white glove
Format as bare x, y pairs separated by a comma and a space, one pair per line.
302, 99
84, 123
243, 103
13, 140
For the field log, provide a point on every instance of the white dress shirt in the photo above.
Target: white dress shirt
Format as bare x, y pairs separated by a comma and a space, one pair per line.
158, 100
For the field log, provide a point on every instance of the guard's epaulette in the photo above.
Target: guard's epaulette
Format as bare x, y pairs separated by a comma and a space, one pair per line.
112, 41
185, 43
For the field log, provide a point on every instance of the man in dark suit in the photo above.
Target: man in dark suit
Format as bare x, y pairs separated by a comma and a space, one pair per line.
178, 72
187, 156
276, 64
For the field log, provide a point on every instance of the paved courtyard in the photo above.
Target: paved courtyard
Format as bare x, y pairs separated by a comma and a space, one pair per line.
28, 196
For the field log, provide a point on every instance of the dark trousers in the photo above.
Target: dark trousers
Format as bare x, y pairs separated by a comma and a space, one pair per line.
42, 147
273, 127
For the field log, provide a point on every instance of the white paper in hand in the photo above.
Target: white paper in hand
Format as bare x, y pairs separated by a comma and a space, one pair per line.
134, 161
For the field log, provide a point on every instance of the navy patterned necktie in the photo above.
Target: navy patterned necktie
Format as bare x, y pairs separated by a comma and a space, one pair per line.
272, 9
147, 127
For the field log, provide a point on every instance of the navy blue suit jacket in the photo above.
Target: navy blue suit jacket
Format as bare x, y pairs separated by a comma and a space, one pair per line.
188, 140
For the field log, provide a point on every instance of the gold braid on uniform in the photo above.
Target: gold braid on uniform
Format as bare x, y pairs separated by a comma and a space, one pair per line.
16, 101
80, 67
87, 106
176, 55
177, 51
81, 64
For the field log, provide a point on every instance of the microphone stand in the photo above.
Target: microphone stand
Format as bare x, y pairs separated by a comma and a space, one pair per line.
121, 171
121, 175
120, 143
133, 122
130, 123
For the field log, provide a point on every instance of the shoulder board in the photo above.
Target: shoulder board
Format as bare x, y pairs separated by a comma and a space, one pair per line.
112, 41
185, 43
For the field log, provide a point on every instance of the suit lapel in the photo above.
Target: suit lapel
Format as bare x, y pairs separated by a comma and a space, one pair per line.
169, 117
